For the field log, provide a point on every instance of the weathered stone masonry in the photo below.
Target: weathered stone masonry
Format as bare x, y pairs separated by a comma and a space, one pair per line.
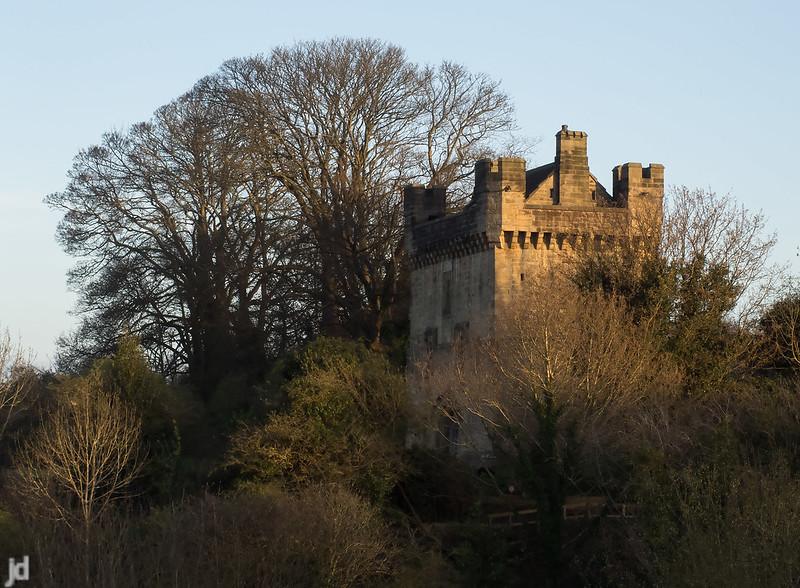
519, 225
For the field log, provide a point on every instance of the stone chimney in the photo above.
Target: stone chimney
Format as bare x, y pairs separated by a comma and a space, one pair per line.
572, 186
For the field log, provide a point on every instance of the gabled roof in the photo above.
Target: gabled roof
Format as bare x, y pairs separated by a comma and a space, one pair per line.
602, 195
534, 177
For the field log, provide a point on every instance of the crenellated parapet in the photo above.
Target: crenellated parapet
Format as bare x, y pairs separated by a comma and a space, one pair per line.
514, 207
432, 235
421, 204
641, 191
505, 174
633, 180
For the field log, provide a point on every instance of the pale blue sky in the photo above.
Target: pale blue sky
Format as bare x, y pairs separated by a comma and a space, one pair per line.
709, 89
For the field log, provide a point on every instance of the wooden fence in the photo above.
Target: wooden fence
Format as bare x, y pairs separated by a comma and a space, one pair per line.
575, 507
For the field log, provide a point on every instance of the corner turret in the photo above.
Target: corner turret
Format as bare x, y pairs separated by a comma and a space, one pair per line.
422, 204
641, 190
504, 174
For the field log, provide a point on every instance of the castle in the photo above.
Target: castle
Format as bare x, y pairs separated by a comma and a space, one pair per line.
466, 267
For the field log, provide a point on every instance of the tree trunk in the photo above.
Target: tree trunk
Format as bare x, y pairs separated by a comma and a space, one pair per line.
330, 325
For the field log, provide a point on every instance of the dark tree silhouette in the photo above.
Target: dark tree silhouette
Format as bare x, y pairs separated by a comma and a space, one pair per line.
265, 204
184, 241
342, 126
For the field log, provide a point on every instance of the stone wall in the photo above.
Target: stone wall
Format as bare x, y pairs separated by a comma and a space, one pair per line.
518, 226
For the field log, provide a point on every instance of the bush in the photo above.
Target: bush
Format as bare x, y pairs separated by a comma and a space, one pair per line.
322, 537
344, 422
722, 521
10, 536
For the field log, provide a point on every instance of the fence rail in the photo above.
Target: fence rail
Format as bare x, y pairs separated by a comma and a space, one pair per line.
575, 507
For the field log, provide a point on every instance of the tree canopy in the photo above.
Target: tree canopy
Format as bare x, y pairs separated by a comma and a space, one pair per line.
264, 204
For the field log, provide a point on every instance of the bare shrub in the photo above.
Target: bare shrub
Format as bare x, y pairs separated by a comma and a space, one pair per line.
574, 357
326, 536
563, 389
16, 381
84, 456
61, 557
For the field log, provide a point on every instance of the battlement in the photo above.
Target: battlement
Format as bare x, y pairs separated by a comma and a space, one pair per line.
421, 204
558, 198
633, 180
566, 133
636, 173
504, 174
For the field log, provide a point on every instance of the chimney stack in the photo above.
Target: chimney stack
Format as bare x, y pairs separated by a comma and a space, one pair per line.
572, 168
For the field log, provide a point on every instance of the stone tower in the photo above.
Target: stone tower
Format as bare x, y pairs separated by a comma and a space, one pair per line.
520, 224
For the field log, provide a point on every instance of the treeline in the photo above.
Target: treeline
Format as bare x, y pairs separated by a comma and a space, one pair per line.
233, 409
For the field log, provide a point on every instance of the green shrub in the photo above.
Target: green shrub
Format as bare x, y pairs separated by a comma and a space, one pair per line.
722, 522
344, 422
11, 538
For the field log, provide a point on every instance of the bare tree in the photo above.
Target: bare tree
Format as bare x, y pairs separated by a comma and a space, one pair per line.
705, 232
343, 125
572, 356
780, 327
562, 384
701, 280
265, 202
719, 280
185, 242
462, 112
84, 456
789, 333
16, 381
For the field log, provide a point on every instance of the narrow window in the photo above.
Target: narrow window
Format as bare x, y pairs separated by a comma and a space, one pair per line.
460, 332
449, 429
446, 293
431, 338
